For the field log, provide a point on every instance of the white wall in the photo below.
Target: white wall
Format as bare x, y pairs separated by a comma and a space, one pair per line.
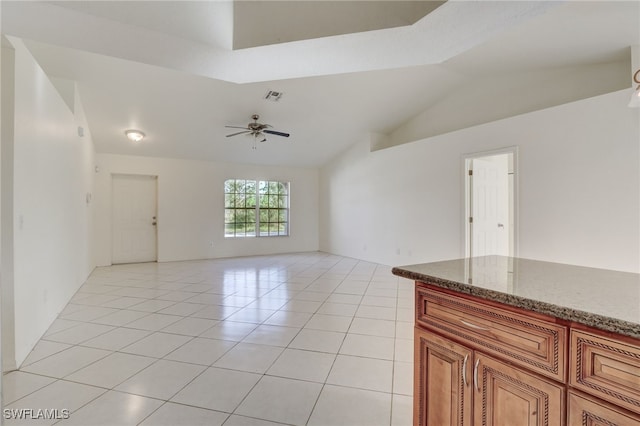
191, 207
6, 201
579, 189
51, 220
498, 97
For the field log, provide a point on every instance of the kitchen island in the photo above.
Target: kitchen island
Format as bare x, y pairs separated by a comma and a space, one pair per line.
510, 341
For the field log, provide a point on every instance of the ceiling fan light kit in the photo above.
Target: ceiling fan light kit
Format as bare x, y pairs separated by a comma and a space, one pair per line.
257, 130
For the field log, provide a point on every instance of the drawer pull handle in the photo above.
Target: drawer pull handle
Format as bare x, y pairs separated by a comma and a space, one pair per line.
477, 327
464, 370
475, 374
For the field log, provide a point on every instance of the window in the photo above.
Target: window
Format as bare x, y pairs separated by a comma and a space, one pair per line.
256, 208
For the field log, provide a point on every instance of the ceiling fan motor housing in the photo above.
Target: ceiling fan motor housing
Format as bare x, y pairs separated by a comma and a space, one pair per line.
255, 126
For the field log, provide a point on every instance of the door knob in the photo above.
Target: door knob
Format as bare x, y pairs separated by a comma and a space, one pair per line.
154, 223
500, 225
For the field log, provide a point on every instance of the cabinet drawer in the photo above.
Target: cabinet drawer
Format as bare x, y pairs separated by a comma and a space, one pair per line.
531, 343
585, 410
606, 368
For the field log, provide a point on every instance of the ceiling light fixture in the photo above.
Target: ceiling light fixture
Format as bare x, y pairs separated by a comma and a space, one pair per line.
635, 96
134, 135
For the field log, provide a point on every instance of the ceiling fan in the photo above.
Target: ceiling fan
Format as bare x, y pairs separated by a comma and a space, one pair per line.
257, 130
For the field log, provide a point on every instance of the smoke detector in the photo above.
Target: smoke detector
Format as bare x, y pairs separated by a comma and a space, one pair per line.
273, 96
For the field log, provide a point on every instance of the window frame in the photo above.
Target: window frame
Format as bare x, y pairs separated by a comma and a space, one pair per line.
272, 200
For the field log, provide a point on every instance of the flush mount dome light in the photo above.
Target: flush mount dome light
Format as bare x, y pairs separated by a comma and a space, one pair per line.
134, 135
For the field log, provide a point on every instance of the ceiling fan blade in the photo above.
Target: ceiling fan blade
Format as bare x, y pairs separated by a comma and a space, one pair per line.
273, 132
239, 133
237, 127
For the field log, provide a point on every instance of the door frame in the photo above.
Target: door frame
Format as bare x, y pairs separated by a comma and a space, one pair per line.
154, 177
466, 196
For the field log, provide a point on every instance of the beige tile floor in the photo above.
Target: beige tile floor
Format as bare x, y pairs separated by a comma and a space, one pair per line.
297, 339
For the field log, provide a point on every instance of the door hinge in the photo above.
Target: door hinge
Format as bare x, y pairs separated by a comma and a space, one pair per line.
470, 220
470, 172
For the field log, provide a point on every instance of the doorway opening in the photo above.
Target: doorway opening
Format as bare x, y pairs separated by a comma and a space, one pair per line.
491, 203
134, 219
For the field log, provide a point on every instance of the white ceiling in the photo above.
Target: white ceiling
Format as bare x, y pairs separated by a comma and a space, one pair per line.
168, 69
259, 23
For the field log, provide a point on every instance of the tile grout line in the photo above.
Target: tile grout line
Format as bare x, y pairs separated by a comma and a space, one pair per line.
238, 289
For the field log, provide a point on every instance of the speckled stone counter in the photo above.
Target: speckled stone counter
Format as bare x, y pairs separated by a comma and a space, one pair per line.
604, 299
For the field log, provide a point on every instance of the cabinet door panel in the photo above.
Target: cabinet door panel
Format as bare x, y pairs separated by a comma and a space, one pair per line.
443, 392
588, 411
506, 396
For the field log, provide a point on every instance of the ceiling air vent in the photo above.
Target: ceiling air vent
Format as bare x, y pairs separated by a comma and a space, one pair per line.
273, 96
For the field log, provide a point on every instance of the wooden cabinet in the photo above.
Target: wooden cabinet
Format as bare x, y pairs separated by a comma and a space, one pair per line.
455, 385
485, 364
442, 386
586, 410
606, 368
506, 395
534, 344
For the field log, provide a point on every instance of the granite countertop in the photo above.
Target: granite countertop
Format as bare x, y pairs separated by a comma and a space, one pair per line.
600, 298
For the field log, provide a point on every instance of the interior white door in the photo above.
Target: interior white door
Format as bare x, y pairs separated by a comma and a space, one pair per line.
490, 206
134, 219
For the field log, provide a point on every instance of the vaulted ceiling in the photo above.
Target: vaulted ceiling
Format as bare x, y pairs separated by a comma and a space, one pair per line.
181, 70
